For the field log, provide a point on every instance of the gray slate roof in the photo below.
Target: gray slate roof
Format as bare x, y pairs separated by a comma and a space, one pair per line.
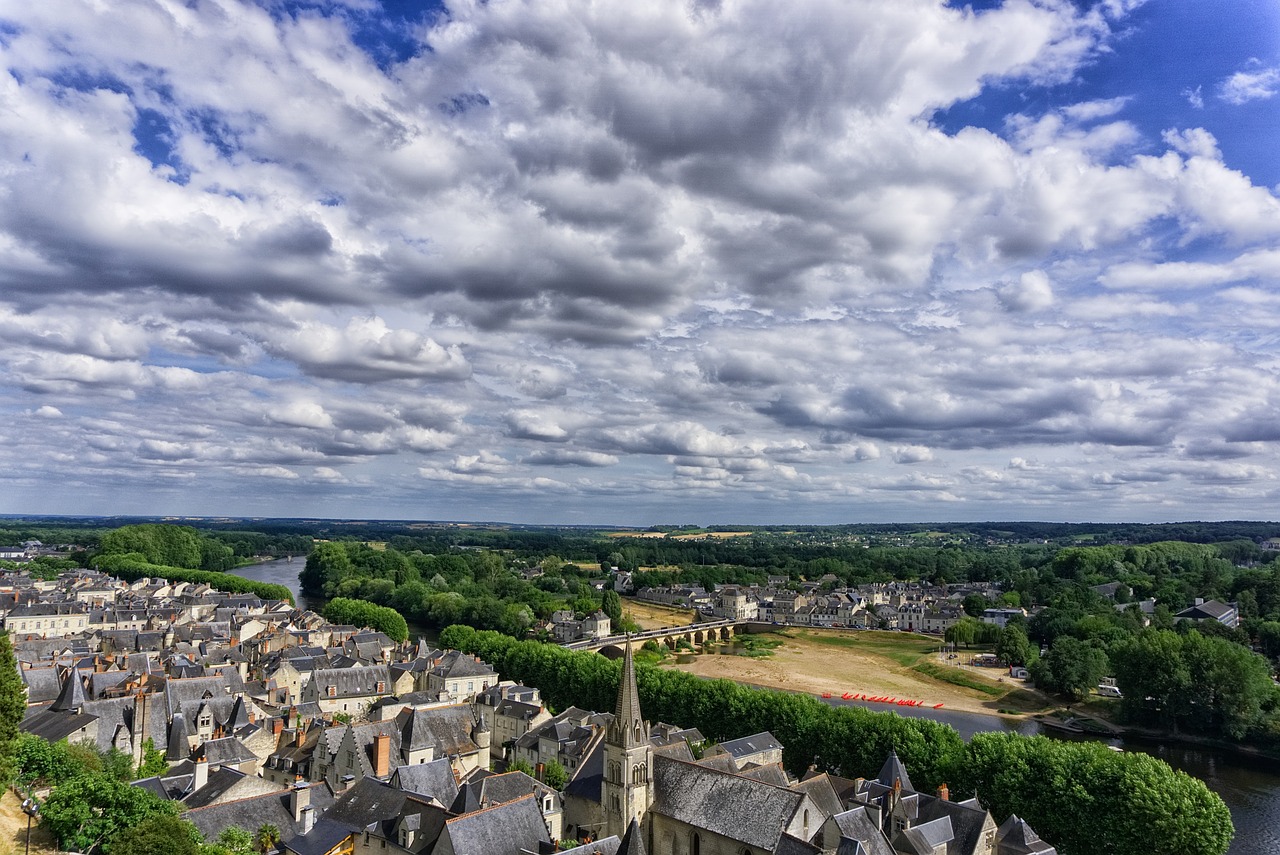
507, 829
433, 779
731, 806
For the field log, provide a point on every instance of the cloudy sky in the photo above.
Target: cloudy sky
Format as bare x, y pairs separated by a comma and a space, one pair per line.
619, 262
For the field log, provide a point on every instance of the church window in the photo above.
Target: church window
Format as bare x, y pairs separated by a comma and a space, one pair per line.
695, 844
806, 824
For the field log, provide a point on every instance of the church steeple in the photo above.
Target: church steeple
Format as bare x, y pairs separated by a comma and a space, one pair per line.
628, 756
627, 729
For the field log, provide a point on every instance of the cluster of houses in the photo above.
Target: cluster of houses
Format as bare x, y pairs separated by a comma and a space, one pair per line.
914, 606
351, 744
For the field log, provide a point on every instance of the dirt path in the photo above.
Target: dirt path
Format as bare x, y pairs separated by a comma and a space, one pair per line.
804, 665
13, 830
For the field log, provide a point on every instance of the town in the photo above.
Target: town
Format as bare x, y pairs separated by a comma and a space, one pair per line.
336, 740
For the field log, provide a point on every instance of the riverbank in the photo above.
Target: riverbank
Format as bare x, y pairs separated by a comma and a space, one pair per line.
877, 664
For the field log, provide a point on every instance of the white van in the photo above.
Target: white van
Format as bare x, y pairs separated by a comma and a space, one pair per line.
1109, 691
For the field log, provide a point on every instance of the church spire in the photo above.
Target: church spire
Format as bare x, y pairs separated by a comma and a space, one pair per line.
627, 729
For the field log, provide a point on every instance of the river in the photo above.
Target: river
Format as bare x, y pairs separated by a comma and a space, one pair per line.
1250, 788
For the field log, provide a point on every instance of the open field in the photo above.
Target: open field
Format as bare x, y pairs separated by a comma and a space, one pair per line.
874, 663
655, 615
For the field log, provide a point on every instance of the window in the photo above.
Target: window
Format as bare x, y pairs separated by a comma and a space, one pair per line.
695, 844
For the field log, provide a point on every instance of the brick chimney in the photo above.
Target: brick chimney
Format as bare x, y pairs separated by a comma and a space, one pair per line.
277, 725
944, 793
382, 755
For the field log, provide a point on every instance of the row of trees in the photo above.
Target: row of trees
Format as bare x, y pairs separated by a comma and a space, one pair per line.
133, 566
1136, 805
341, 610
473, 587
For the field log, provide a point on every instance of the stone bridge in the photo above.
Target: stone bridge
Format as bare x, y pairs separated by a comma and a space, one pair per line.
695, 634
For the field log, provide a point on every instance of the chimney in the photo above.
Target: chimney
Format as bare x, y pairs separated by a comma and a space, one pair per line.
944, 793
202, 774
308, 820
277, 725
538, 772
299, 800
382, 755
300, 736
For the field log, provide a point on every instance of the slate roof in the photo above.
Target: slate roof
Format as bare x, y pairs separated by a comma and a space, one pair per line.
925, 838
858, 825
507, 829
1015, 837
215, 786
368, 801
42, 684
588, 779
822, 791
433, 779
632, 840
447, 729
966, 818
754, 744
892, 771
352, 682
729, 805
51, 725
456, 664
71, 695
249, 813
227, 751
509, 786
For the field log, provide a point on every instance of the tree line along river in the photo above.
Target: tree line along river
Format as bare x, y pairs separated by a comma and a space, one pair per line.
1250, 787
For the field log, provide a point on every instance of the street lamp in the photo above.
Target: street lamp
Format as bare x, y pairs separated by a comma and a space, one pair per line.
31, 808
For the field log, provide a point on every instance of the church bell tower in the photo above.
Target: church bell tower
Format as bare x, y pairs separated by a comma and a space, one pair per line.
628, 757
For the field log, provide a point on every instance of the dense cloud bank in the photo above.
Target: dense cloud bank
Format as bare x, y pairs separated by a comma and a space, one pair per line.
575, 261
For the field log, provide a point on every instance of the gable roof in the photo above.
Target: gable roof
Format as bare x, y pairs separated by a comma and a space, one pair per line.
729, 805
506, 829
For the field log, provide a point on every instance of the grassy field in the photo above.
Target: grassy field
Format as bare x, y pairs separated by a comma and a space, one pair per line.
896, 664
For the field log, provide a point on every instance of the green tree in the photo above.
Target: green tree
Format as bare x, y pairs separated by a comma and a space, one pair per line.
521, 765
1013, 648
13, 705
343, 610
236, 840
157, 835
153, 760
975, 605
611, 604
87, 812
268, 838
327, 565
1071, 667
555, 775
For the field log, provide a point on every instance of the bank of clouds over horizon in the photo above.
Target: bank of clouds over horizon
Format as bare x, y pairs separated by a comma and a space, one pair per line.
570, 262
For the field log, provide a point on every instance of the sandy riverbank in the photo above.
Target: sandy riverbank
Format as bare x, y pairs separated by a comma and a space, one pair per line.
803, 664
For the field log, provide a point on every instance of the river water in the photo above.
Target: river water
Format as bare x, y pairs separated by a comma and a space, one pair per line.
1250, 788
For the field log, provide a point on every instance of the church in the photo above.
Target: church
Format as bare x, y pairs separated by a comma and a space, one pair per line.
657, 799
